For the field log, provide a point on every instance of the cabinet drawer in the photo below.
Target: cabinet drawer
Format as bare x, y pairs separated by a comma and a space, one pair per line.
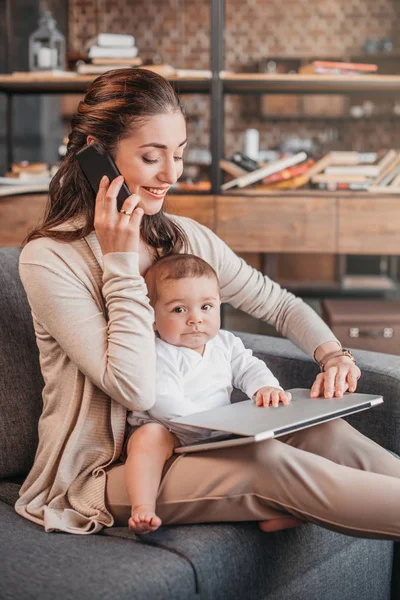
276, 223
369, 225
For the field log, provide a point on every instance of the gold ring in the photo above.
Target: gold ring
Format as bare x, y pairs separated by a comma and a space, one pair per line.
125, 212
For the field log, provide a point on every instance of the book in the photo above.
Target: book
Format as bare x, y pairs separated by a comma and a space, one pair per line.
88, 69
16, 182
195, 73
289, 173
107, 40
33, 188
366, 170
322, 67
333, 187
288, 184
391, 161
244, 161
352, 168
320, 165
350, 66
351, 157
108, 52
339, 178
390, 177
231, 168
268, 169
106, 60
332, 72
333, 158
396, 180
127, 62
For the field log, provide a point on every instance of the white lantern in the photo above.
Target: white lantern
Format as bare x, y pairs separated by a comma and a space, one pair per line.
46, 46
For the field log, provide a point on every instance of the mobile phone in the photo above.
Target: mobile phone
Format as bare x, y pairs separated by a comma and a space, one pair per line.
95, 165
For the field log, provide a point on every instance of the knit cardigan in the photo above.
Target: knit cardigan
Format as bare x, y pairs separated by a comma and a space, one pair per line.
93, 325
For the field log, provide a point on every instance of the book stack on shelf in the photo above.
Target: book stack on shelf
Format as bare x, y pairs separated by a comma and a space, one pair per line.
109, 51
287, 171
377, 172
323, 67
27, 178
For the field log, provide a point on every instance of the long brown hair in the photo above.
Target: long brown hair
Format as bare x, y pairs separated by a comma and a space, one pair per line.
114, 103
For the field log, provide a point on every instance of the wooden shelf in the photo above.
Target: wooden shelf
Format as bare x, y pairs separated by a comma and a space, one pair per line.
233, 83
382, 285
302, 193
281, 118
11, 84
243, 83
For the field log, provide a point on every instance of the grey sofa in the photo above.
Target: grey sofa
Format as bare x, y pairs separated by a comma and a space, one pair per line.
218, 561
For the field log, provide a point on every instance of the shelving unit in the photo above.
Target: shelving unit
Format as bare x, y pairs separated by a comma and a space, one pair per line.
12, 85
295, 212
261, 83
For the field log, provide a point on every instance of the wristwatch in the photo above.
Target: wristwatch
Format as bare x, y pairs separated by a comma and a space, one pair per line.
335, 354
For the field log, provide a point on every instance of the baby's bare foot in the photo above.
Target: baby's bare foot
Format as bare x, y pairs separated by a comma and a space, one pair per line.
277, 524
144, 519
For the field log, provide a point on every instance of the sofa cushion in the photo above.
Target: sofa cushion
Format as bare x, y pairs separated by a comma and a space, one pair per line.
232, 561
9, 491
21, 381
44, 566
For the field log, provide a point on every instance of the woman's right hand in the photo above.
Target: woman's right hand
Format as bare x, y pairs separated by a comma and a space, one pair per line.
116, 231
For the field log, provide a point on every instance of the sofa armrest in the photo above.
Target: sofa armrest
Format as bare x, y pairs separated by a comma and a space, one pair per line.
380, 375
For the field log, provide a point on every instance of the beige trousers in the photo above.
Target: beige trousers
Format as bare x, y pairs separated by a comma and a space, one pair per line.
329, 474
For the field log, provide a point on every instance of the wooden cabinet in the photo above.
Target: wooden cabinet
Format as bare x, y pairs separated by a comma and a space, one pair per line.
298, 222
200, 208
369, 225
19, 214
276, 223
283, 223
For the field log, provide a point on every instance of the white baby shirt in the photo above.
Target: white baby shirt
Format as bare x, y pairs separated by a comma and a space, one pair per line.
188, 382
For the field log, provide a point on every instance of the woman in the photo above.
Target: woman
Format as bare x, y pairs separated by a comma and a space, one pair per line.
83, 273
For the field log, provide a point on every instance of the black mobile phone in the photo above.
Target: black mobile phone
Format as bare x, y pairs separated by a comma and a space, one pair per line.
94, 165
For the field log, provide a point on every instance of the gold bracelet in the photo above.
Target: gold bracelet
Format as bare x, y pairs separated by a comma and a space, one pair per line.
335, 354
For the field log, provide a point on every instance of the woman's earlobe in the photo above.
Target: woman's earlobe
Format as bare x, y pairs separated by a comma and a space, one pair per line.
90, 140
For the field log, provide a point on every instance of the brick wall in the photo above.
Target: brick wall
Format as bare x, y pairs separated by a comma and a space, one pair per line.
179, 32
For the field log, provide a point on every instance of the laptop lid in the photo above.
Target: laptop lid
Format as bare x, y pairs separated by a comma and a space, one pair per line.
246, 419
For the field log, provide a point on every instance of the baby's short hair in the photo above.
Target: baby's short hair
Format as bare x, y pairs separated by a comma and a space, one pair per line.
176, 266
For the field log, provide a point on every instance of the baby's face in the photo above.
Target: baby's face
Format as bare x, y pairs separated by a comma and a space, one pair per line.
187, 311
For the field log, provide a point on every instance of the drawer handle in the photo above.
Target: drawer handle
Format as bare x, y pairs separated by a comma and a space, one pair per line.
386, 332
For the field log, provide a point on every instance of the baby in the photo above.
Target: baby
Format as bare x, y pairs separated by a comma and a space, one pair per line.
197, 366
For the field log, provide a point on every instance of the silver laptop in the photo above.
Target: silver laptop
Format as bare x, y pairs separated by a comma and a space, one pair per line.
245, 423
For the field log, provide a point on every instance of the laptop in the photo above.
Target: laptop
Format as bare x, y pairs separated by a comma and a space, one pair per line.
245, 423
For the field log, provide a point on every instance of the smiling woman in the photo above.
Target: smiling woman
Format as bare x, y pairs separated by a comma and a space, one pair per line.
137, 118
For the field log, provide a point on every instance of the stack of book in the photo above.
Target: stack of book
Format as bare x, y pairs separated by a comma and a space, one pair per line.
321, 67
26, 178
362, 171
287, 172
377, 172
109, 51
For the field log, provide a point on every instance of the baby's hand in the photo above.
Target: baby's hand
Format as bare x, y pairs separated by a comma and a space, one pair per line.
271, 395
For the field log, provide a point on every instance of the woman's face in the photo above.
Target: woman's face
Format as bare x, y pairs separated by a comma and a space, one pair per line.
150, 160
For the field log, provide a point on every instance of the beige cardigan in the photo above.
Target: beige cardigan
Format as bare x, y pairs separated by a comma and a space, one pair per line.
93, 324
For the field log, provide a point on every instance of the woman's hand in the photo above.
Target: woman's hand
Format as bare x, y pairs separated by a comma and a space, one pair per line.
116, 231
340, 375
270, 395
